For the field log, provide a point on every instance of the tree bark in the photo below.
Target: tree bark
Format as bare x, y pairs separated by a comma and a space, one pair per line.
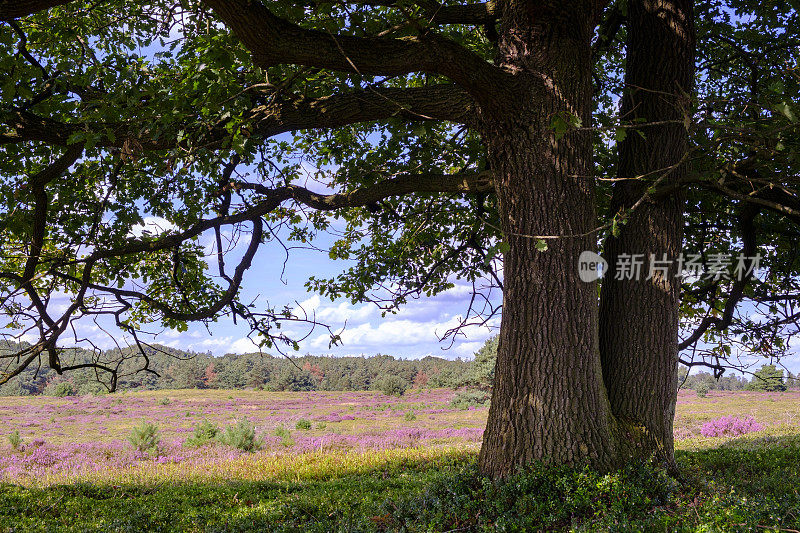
548, 402
639, 317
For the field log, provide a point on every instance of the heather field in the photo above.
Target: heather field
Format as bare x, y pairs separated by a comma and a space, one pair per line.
363, 461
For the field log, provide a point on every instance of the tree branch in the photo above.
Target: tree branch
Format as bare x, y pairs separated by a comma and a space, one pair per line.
290, 113
273, 41
14, 9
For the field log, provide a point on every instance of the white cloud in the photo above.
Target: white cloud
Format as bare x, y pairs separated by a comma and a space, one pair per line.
153, 226
337, 313
243, 345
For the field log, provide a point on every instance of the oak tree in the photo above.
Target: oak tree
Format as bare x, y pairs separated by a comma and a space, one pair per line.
453, 142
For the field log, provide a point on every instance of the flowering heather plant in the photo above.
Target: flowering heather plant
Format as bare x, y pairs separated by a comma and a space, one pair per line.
730, 426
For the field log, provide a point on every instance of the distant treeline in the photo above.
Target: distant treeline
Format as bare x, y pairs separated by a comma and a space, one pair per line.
176, 369
170, 368
766, 378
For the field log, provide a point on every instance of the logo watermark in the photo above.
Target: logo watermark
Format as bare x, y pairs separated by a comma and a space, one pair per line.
592, 266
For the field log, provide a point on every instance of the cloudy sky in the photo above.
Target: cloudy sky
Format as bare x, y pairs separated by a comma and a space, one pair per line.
277, 280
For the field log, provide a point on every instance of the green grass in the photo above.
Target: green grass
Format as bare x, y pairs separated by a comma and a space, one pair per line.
744, 485
343, 501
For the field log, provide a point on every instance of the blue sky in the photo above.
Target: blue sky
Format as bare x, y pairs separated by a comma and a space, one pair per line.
411, 333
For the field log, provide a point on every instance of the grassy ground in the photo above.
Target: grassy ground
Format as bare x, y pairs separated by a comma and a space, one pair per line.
747, 483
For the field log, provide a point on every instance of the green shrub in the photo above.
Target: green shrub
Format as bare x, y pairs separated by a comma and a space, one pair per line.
61, 389
241, 435
303, 424
94, 388
540, 498
392, 385
285, 435
164, 401
15, 439
470, 398
410, 416
145, 438
702, 390
321, 425
204, 433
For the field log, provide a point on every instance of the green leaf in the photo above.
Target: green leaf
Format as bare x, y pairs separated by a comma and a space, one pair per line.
786, 111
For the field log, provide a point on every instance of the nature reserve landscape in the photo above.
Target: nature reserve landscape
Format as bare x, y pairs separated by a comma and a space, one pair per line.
399, 265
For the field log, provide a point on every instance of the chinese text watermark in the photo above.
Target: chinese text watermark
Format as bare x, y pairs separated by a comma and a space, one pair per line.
592, 266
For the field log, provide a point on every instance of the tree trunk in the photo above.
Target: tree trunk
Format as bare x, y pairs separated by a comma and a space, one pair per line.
548, 402
639, 317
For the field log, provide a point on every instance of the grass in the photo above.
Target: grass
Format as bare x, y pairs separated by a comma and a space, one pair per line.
748, 483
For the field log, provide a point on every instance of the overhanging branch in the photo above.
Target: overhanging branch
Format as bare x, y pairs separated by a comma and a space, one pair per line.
274, 41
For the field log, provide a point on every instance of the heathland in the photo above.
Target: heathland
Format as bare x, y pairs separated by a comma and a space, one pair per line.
220, 460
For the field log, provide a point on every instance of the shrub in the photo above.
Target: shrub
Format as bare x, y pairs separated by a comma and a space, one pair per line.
410, 416
93, 388
241, 435
470, 398
303, 424
321, 425
145, 438
730, 426
204, 433
539, 498
702, 390
15, 439
392, 385
61, 389
285, 436
163, 401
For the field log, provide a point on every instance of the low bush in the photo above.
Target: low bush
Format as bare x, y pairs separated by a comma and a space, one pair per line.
204, 433
241, 435
15, 440
470, 398
285, 436
539, 498
303, 424
145, 438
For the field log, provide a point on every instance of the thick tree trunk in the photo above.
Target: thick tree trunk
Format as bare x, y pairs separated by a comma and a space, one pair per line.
639, 317
548, 402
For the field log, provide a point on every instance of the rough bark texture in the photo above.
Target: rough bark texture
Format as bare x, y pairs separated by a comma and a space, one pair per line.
548, 401
639, 318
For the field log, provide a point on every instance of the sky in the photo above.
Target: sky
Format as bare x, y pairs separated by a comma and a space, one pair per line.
277, 280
